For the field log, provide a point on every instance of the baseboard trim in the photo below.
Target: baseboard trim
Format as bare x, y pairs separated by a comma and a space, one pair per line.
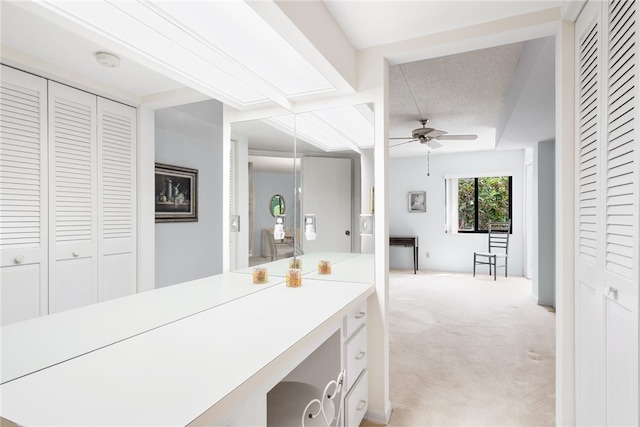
379, 417
543, 303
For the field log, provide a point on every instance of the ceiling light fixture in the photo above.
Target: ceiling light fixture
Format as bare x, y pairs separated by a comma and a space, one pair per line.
107, 59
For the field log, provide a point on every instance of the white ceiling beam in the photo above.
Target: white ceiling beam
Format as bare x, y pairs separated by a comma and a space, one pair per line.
311, 30
489, 34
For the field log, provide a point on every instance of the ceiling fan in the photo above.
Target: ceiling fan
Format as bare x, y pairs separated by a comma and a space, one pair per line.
431, 136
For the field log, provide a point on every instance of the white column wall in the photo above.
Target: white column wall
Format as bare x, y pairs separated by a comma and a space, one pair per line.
146, 208
543, 286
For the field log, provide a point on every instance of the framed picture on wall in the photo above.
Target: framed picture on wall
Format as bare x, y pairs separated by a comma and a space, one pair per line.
176, 193
417, 201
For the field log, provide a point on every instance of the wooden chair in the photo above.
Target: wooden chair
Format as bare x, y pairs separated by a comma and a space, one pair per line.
498, 249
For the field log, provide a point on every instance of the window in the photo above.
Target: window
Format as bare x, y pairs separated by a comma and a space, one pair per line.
474, 202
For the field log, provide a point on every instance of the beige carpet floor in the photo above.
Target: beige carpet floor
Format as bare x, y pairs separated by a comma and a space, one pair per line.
468, 351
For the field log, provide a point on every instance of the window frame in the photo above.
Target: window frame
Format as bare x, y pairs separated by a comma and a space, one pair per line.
476, 203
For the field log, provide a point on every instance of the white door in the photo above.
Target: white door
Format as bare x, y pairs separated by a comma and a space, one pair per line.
326, 192
73, 198
116, 200
23, 195
607, 220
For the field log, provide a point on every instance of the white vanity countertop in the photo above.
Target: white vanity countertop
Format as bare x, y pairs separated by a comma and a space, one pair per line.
309, 262
172, 374
45, 341
355, 269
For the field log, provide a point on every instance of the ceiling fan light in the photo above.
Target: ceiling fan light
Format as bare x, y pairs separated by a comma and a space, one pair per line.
434, 144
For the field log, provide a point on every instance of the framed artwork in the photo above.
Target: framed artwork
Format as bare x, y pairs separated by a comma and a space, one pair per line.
417, 201
176, 193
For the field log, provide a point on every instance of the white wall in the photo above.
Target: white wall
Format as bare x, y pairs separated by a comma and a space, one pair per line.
191, 136
543, 286
449, 252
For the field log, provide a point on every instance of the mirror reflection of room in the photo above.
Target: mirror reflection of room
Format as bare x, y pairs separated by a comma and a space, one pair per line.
329, 179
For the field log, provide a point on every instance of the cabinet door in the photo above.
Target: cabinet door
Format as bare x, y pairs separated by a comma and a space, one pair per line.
73, 198
117, 199
23, 196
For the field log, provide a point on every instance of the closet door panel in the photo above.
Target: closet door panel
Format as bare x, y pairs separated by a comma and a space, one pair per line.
621, 366
117, 200
23, 196
590, 373
21, 292
117, 275
622, 219
73, 198
607, 266
72, 285
622, 154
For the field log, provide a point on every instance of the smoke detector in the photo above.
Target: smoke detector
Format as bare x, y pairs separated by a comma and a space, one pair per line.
107, 59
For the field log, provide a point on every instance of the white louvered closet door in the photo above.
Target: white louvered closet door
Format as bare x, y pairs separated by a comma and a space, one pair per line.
608, 191
117, 200
621, 193
23, 196
73, 198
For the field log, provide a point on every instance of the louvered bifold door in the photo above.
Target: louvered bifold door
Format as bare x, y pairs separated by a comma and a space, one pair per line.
621, 191
608, 214
73, 199
117, 200
23, 195
589, 292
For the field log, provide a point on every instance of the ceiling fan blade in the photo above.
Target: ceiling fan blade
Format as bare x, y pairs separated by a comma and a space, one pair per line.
402, 143
457, 137
435, 133
406, 137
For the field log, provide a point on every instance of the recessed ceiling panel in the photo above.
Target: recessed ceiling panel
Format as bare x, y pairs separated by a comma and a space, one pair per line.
235, 29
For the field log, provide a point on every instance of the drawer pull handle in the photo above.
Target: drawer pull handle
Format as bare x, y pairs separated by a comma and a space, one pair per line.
360, 315
360, 355
612, 292
361, 405
19, 259
76, 253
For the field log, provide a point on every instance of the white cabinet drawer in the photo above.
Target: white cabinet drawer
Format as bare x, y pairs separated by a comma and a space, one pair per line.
356, 356
355, 319
357, 401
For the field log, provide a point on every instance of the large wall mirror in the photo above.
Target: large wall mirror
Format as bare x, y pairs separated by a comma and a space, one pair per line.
318, 163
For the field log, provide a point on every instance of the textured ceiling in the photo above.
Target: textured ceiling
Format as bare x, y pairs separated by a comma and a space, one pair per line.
459, 94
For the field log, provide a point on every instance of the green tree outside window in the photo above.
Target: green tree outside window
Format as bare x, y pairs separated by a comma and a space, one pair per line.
483, 200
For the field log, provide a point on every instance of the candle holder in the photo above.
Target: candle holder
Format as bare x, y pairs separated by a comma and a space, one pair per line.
260, 275
295, 263
294, 278
324, 267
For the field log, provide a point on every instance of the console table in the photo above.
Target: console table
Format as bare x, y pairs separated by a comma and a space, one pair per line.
407, 242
